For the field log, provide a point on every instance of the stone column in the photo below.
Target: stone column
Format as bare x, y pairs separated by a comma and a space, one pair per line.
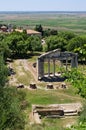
66, 63
61, 66
48, 67
54, 67
74, 61
40, 68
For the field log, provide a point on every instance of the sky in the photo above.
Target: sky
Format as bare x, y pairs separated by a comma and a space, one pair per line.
42, 5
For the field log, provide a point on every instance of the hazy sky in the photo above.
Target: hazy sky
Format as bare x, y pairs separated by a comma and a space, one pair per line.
43, 5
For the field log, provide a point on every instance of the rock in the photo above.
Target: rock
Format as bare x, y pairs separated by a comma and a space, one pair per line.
33, 86
50, 86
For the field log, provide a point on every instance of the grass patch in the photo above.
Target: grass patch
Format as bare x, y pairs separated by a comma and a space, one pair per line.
50, 97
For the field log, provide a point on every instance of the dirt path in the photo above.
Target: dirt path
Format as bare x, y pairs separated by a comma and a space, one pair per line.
12, 79
22, 66
28, 67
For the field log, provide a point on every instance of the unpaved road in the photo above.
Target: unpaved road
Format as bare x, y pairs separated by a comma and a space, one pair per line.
22, 66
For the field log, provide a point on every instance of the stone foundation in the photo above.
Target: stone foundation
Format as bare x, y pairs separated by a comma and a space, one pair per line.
55, 111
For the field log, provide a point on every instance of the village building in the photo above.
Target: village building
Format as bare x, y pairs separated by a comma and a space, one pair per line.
3, 28
29, 32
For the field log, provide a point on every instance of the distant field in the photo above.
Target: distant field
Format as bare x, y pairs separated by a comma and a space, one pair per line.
75, 22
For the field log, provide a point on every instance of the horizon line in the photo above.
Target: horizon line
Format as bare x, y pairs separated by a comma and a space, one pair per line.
42, 11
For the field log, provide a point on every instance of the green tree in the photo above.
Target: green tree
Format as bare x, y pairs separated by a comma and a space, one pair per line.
3, 72
33, 43
11, 116
39, 28
49, 32
13, 41
54, 42
78, 45
67, 35
21, 47
4, 49
2, 36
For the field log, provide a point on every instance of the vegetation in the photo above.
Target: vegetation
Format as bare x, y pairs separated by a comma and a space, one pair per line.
78, 45
54, 42
3, 72
78, 80
11, 116
39, 28
19, 44
67, 41
33, 44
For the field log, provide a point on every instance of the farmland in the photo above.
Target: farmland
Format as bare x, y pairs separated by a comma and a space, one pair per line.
75, 22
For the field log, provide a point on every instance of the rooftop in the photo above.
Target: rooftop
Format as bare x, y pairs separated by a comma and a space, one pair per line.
29, 31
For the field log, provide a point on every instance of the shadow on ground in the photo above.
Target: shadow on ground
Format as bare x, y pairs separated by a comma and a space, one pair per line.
53, 79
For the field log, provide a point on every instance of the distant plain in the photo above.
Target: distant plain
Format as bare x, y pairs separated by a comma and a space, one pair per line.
75, 22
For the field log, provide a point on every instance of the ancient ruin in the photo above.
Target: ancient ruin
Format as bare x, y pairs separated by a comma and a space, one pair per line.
55, 111
50, 86
33, 86
53, 56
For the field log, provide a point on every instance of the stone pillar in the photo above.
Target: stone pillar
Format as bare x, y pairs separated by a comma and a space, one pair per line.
54, 67
66, 63
40, 68
48, 67
61, 66
74, 61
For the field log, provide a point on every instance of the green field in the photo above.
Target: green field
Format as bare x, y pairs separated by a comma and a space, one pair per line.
70, 22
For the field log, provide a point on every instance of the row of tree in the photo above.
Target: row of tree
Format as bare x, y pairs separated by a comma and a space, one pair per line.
45, 32
20, 43
67, 41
